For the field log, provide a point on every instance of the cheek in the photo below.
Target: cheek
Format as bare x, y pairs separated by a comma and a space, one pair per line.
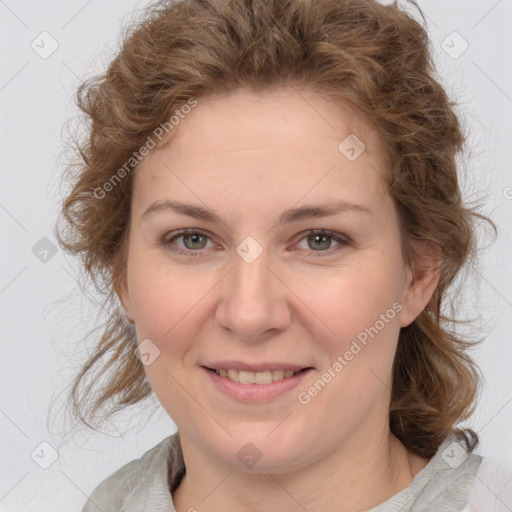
161, 299
348, 300
362, 310
163, 304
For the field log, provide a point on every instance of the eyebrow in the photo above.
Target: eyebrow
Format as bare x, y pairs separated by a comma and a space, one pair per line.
288, 216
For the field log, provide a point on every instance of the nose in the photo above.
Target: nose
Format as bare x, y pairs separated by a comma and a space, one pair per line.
254, 304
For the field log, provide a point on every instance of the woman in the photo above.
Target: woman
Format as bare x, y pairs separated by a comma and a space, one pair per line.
269, 196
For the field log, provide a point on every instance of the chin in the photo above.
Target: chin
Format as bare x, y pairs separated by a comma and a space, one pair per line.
262, 447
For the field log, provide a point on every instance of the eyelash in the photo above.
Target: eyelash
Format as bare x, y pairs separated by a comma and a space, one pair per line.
166, 241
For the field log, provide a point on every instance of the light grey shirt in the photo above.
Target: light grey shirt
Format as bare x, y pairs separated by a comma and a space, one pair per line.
452, 481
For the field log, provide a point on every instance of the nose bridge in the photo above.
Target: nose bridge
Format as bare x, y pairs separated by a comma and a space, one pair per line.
250, 279
252, 301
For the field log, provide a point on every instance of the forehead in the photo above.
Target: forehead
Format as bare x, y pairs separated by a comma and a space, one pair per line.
281, 138
230, 117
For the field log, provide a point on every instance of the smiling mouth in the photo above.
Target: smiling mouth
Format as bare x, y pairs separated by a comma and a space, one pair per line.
246, 377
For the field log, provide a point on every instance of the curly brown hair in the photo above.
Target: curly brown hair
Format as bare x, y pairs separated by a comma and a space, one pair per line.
375, 57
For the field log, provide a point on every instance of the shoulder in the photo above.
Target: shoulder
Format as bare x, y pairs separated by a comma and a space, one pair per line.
492, 487
132, 482
445, 484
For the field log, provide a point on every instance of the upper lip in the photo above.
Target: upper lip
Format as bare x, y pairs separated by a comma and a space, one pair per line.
254, 367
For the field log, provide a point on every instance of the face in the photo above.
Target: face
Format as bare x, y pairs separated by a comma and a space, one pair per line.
274, 318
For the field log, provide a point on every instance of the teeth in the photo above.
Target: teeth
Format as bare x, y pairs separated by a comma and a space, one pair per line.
246, 377
277, 374
262, 377
265, 377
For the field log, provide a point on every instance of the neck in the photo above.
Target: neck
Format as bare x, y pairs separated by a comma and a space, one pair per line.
359, 475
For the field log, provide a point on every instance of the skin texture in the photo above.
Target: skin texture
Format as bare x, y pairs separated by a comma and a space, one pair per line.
249, 156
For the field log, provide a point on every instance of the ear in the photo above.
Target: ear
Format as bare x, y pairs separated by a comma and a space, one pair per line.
422, 280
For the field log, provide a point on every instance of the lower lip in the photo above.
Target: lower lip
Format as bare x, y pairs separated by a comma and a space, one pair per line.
256, 392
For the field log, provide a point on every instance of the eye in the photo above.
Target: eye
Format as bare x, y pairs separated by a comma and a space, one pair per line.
193, 241
320, 240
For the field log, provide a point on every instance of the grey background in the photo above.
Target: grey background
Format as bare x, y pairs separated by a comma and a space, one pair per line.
44, 315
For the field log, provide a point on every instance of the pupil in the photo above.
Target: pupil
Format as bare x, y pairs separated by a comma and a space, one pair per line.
319, 238
195, 239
